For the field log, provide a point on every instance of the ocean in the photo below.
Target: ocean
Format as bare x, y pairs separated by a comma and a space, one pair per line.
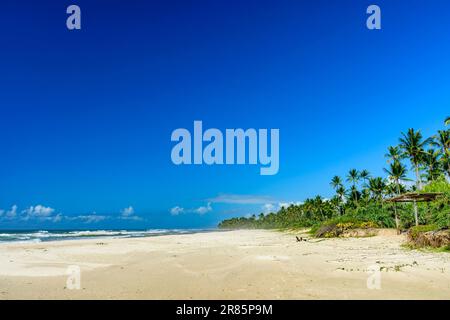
52, 235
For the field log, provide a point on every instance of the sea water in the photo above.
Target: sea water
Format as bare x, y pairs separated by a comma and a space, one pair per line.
52, 235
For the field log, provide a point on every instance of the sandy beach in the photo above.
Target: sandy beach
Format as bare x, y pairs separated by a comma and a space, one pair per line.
224, 265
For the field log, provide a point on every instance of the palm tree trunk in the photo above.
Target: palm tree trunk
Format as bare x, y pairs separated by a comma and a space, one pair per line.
397, 222
416, 213
418, 181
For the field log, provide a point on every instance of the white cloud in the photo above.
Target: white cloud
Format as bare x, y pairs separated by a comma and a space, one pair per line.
203, 210
288, 204
127, 211
241, 199
176, 210
38, 211
90, 218
268, 207
57, 218
129, 214
12, 213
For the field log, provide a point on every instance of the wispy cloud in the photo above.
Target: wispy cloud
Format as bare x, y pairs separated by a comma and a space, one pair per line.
126, 212
204, 209
268, 207
43, 213
89, 218
38, 211
241, 199
129, 214
12, 213
288, 204
177, 210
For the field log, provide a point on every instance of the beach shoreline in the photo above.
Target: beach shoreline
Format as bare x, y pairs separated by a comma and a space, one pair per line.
242, 264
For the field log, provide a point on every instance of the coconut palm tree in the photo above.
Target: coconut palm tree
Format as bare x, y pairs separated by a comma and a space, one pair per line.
364, 175
445, 162
336, 182
354, 194
336, 203
442, 141
397, 173
412, 145
432, 164
365, 195
341, 193
353, 177
393, 154
447, 121
376, 187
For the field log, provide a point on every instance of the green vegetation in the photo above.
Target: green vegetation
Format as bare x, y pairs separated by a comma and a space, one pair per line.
360, 201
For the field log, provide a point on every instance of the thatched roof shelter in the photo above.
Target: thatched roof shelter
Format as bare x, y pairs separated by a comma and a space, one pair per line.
415, 197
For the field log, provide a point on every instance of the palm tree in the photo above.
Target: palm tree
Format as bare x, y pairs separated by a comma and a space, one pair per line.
442, 141
341, 192
445, 162
393, 154
336, 182
447, 121
377, 186
397, 173
364, 175
365, 195
336, 203
432, 164
354, 194
412, 144
353, 177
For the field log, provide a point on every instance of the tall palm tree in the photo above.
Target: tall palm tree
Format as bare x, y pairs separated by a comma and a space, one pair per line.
376, 187
447, 121
412, 144
365, 195
397, 173
354, 194
364, 175
353, 177
393, 154
442, 141
336, 182
432, 164
341, 192
445, 162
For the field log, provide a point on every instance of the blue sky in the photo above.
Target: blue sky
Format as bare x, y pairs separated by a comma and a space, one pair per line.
86, 115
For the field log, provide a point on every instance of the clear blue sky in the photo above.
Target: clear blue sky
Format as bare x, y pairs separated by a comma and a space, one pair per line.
86, 116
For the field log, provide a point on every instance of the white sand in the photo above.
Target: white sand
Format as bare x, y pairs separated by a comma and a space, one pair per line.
224, 265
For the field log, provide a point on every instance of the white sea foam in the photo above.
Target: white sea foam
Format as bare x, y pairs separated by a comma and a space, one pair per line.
49, 235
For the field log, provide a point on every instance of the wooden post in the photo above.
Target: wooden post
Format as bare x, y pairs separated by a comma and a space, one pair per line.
397, 223
416, 214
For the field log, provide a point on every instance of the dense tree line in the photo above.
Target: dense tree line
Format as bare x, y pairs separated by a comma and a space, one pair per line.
361, 197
